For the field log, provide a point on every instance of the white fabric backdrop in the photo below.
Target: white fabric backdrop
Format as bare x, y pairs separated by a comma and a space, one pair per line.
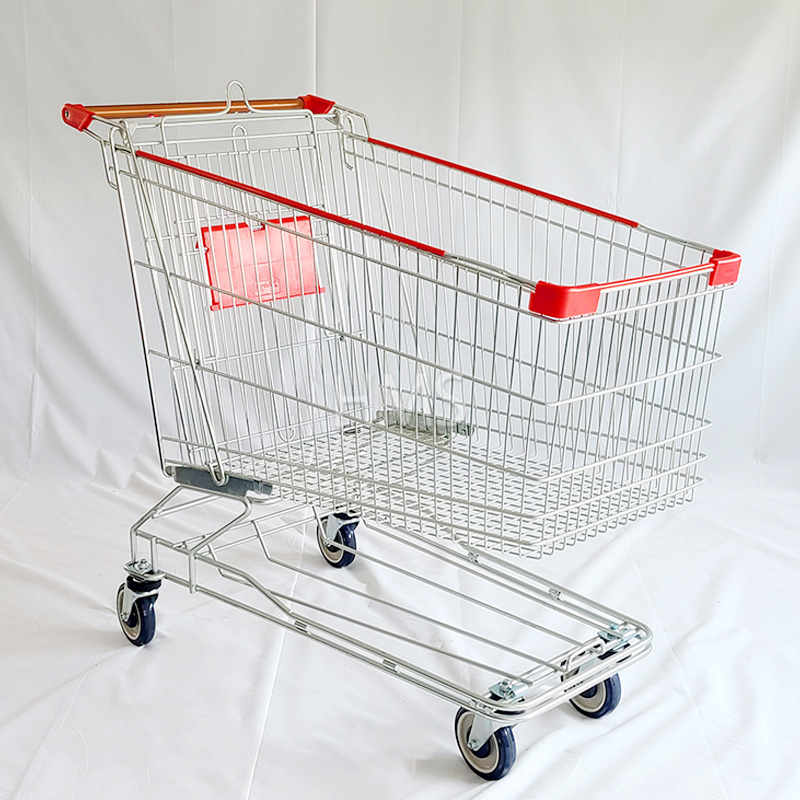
682, 115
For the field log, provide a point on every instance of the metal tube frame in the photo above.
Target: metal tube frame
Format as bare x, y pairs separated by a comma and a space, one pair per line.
615, 640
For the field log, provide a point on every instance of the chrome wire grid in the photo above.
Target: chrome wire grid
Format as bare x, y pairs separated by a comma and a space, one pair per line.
413, 385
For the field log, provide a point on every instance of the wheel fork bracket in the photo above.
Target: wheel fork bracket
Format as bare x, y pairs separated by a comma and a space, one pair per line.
143, 574
481, 731
333, 522
483, 727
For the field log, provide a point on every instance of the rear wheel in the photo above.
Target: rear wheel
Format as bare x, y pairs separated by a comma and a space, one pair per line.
599, 700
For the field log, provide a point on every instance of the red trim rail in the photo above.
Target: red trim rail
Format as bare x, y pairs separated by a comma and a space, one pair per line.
503, 182
547, 300
567, 302
285, 201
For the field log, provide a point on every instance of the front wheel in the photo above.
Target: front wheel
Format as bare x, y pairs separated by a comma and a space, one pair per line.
140, 626
495, 757
335, 555
599, 700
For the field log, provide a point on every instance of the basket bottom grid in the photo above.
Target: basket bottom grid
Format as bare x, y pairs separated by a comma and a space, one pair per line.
506, 503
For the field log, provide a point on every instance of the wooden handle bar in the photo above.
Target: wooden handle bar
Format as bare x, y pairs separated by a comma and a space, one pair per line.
79, 116
169, 109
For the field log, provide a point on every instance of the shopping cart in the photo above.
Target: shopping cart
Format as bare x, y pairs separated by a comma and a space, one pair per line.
349, 336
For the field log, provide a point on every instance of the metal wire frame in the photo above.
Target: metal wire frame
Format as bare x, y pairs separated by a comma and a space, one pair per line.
435, 624
323, 162
438, 402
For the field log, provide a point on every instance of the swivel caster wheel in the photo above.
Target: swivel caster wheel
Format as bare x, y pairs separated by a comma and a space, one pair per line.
495, 757
599, 700
330, 542
139, 623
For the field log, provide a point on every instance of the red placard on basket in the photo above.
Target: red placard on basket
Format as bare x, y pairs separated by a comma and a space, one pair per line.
262, 264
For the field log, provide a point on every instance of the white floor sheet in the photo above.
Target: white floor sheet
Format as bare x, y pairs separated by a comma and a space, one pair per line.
224, 705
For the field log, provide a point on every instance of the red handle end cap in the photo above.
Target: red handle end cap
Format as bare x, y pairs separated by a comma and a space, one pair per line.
726, 268
317, 105
77, 116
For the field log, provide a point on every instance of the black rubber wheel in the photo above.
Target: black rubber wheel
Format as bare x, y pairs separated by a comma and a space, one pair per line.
495, 757
346, 535
140, 627
599, 700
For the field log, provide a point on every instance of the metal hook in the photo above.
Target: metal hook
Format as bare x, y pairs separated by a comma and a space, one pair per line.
229, 102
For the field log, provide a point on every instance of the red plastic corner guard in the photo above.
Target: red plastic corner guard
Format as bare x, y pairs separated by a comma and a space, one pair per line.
77, 116
726, 268
564, 302
316, 105
567, 302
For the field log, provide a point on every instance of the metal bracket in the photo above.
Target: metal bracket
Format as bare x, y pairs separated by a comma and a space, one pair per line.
142, 573
483, 727
619, 635
481, 731
509, 690
234, 486
335, 521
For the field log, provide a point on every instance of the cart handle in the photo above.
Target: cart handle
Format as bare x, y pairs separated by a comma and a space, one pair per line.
80, 116
566, 302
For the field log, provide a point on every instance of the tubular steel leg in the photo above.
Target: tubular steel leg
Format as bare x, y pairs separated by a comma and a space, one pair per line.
151, 514
160, 508
208, 539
